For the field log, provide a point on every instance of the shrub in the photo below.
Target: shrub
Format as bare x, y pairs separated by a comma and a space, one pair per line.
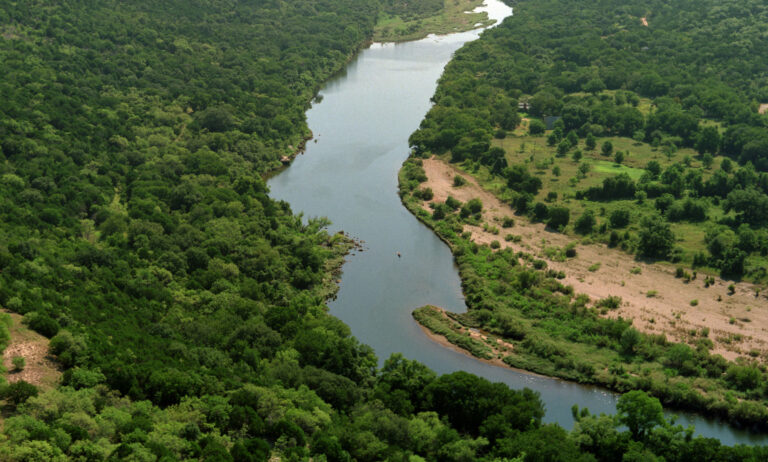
508, 222
536, 127
540, 211
619, 218
18, 363
559, 217
495, 244
42, 324
19, 392
475, 206
630, 338
424, 194
458, 181
611, 302
586, 222
607, 148
452, 203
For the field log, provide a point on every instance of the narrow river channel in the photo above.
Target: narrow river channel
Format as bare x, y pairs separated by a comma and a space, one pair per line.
349, 174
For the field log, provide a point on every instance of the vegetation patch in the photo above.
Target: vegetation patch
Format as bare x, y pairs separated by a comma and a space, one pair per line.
401, 20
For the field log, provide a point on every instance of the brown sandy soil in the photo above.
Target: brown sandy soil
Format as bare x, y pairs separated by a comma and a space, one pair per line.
763, 108
644, 21
737, 323
40, 369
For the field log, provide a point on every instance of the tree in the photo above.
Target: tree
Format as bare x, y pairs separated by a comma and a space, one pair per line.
619, 218
750, 205
584, 169
656, 238
573, 138
619, 157
540, 211
630, 338
559, 217
18, 392
563, 148
536, 127
639, 412
654, 168
586, 222
520, 179
590, 142
594, 86
607, 148
708, 140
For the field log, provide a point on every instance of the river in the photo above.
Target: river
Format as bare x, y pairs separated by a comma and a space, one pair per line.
348, 173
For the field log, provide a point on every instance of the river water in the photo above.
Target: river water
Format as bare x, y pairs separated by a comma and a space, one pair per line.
348, 173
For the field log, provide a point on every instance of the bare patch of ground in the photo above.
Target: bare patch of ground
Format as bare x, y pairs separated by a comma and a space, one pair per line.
763, 108
40, 370
652, 297
644, 20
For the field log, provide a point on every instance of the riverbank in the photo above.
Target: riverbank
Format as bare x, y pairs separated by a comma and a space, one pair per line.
518, 293
651, 295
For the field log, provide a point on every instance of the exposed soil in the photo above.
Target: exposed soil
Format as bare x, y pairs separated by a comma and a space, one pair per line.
654, 299
40, 369
644, 21
763, 108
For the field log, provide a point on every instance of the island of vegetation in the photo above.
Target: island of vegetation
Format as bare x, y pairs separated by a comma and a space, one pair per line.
182, 309
402, 20
602, 183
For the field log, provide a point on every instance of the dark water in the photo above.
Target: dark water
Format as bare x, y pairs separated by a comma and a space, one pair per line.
350, 176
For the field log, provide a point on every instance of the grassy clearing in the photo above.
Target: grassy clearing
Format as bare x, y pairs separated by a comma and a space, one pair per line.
454, 17
562, 177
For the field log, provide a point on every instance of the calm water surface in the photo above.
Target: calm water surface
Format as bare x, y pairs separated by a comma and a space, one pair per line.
350, 176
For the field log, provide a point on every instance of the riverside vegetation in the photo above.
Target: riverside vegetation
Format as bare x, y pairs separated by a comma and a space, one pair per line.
187, 307
659, 150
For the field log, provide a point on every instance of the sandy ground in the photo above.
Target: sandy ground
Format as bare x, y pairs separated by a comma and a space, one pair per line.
763, 108
737, 323
644, 21
40, 369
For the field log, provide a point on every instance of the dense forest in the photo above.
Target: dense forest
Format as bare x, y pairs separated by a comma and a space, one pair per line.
652, 109
186, 306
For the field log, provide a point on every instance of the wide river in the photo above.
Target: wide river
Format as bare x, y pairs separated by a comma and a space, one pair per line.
349, 174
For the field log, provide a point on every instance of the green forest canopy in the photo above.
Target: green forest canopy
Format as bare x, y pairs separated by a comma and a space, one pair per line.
186, 305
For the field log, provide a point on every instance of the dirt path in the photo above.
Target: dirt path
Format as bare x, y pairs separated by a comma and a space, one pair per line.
651, 295
40, 369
